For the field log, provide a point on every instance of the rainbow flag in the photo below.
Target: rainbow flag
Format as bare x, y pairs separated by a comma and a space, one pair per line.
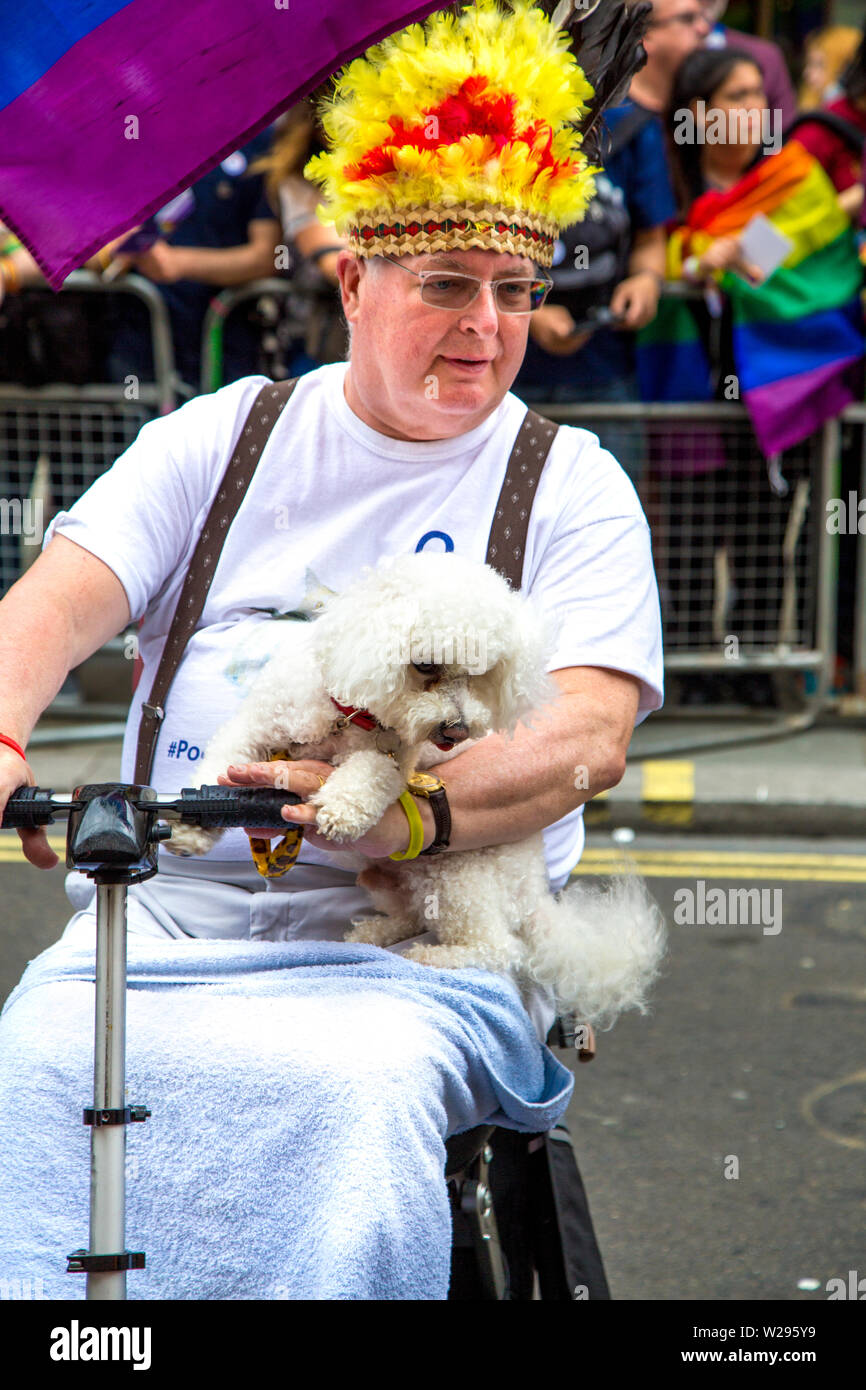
110, 107
797, 335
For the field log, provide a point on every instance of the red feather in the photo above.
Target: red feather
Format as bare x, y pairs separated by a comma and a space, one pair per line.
473, 110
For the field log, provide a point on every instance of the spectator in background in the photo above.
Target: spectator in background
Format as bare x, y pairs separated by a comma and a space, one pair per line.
310, 329
721, 184
827, 54
624, 238
298, 138
838, 137
790, 337
676, 29
562, 363
229, 239
769, 57
17, 266
44, 338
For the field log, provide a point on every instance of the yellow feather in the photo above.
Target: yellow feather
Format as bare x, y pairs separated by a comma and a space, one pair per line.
409, 74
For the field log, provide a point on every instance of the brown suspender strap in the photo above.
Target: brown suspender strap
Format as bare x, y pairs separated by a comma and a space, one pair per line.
505, 549
507, 545
266, 410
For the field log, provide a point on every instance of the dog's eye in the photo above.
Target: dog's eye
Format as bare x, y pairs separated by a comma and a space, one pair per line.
424, 668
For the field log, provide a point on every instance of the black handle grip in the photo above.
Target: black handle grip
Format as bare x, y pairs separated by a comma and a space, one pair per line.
28, 808
213, 808
223, 808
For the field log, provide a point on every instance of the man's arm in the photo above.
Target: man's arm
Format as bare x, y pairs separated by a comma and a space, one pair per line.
637, 297
504, 789
62, 609
228, 265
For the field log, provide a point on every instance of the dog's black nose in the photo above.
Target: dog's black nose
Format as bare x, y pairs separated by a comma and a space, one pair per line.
453, 733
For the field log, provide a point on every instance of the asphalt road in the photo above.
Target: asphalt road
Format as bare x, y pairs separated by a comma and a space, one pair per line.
721, 1138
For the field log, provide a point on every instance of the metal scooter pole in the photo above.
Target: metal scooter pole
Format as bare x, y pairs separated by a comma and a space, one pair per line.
108, 1142
112, 837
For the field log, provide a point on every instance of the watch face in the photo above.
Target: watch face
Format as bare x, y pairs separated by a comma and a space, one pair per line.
423, 781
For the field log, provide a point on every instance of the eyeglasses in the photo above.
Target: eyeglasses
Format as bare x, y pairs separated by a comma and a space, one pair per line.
520, 294
688, 17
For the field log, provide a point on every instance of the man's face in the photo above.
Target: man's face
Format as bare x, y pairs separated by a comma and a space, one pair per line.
423, 372
677, 28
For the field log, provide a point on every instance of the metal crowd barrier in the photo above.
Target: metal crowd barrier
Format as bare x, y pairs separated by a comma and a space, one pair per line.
57, 438
856, 415
745, 564
213, 328
302, 294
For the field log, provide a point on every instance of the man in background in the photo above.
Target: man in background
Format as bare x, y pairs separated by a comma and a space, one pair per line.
769, 57
623, 243
229, 239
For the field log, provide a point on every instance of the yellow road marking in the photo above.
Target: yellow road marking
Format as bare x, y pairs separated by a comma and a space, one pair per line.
740, 864
13, 850
668, 780
652, 863
731, 856
735, 871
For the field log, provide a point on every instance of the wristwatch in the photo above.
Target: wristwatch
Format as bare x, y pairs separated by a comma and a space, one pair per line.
433, 789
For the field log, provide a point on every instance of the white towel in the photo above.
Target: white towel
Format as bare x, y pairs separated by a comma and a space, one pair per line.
301, 1094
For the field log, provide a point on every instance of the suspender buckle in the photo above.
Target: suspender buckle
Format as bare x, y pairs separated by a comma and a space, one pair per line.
154, 711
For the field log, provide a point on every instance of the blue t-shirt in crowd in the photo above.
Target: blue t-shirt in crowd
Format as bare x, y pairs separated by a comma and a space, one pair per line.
640, 171
227, 199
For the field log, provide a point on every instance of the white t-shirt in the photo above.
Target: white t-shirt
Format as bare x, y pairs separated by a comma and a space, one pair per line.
298, 202
329, 496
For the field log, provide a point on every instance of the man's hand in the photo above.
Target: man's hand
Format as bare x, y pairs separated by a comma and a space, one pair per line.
636, 299
161, 263
14, 774
552, 327
503, 788
304, 777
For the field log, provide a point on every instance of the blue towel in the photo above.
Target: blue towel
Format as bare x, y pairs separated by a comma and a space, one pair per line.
301, 1094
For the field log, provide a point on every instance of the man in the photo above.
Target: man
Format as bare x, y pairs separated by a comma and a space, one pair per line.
403, 447
778, 87
562, 364
676, 29
635, 201
228, 239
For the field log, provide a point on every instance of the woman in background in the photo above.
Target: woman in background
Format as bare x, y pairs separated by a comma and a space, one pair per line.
784, 336
838, 139
298, 138
827, 53
309, 329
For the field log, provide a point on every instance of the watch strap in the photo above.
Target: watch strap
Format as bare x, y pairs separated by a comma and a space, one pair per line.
442, 818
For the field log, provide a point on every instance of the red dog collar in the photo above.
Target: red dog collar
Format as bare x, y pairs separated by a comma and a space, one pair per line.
365, 720
362, 717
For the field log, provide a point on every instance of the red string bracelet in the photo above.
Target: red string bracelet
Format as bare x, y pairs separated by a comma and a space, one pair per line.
4, 738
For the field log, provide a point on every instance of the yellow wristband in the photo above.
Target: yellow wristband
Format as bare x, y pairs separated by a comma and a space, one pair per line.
11, 278
416, 828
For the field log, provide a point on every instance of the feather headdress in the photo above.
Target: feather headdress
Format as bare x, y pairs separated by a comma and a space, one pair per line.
463, 132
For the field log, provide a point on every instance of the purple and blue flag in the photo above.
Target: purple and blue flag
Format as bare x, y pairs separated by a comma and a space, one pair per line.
110, 107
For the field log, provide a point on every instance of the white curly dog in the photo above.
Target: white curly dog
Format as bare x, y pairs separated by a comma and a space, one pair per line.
435, 652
